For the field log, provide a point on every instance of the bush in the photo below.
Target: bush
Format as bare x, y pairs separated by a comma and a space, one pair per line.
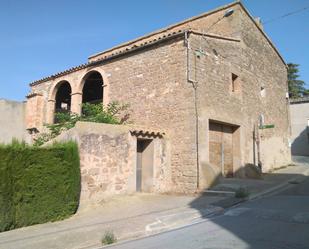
241, 193
38, 184
108, 238
111, 114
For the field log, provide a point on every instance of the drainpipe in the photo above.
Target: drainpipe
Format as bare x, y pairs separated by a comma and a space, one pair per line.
254, 144
258, 146
194, 86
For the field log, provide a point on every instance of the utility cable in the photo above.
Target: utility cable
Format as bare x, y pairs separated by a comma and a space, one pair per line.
286, 15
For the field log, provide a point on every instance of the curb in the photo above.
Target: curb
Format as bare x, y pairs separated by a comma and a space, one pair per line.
275, 189
199, 218
214, 210
280, 186
176, 220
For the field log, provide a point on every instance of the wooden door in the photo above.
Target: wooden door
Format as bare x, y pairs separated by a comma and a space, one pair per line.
221, 147
144, 165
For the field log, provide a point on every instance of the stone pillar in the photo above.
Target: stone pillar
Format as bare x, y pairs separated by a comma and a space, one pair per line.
50, 111
34, 111
105, 94
76, 102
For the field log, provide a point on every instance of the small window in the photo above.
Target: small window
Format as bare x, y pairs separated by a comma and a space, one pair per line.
263, 92
235, 86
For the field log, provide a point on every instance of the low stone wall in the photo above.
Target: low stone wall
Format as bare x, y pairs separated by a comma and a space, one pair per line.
12, 121
108, 155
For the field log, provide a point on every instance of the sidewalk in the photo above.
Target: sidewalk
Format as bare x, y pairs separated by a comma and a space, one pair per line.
126, 216
143, 214
270, 182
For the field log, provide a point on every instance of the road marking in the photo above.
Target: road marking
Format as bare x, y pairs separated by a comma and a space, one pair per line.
301, 217
236, 211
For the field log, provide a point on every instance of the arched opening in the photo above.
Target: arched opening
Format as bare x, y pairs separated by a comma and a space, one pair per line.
93, 88
63, 98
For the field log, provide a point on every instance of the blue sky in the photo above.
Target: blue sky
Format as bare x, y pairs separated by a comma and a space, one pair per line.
39, 38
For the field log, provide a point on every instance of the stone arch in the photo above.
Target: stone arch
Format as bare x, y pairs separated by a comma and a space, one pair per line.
59, 99
92, 87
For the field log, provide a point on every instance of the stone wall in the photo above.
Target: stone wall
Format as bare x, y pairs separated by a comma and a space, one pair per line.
12, 121
300, 130
108, 160
153, 82
258, 68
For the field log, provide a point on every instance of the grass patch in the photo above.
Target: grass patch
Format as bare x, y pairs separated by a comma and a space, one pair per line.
108, 238
294, 182
292, 164
272, 170
242, 193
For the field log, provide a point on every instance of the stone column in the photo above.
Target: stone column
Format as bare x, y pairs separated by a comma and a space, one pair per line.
76, 102
50, 111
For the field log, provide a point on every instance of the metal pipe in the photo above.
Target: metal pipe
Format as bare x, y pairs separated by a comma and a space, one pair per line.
187, 43
194, 85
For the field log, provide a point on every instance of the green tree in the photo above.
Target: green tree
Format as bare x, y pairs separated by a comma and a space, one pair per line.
296, 87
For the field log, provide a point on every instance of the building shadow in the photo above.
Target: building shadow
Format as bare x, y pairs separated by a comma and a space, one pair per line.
300, 145
237, 227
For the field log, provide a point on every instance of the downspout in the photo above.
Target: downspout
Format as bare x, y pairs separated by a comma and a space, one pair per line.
258, 146
194, 85
288, 111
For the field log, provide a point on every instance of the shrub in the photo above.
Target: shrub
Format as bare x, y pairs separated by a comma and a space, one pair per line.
38, 184
241, 193
111, 114
108, 238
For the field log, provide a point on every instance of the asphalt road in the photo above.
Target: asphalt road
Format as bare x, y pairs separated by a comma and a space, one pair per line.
276, 222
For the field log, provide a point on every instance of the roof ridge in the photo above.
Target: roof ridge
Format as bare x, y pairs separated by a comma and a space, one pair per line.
163, 37
167, 28
191, 19
111, 56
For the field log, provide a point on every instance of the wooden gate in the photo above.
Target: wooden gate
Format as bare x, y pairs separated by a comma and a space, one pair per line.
221, 147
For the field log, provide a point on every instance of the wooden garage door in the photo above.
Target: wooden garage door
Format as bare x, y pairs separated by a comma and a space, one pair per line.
221, 147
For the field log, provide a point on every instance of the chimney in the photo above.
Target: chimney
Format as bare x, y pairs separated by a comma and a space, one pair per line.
259, 22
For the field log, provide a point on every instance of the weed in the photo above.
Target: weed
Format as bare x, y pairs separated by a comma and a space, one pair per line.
108, 238
241, 193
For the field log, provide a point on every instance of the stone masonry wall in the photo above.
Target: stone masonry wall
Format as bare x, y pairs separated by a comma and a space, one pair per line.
108, 161
153, 82
256, 66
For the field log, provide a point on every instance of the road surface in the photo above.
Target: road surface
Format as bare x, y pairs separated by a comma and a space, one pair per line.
276, 222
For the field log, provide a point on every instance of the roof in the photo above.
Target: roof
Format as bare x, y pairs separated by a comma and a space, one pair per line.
163, 30
146, 133
165, 36
148, 43
299, 100
134, 48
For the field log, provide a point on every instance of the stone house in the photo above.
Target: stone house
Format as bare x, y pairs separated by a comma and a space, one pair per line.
299, 109
203, 89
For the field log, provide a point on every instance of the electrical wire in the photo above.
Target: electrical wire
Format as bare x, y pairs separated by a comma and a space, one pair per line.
286, 15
